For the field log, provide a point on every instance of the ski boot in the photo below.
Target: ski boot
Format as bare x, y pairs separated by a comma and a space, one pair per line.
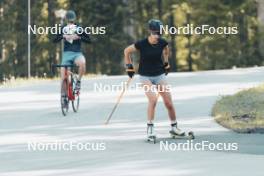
151, 137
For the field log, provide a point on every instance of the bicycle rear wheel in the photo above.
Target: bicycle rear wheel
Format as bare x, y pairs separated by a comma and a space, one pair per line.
64, 97
76, 94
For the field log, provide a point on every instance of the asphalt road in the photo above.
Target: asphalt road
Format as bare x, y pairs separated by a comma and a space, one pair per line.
30, 116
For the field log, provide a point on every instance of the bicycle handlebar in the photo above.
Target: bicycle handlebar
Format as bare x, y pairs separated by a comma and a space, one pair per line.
59, 65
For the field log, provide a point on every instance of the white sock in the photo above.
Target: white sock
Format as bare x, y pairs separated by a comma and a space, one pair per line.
173, 121
174, 127
150, 122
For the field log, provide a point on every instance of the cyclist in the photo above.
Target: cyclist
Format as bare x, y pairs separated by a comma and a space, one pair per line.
72, 46
153, 68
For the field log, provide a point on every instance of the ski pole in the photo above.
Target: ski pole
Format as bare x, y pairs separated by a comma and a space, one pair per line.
118, 101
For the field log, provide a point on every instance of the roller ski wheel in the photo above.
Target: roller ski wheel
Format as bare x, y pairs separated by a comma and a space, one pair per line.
189, 135
152, 139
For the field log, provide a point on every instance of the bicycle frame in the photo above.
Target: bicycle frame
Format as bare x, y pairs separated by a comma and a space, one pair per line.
68, 77
68, 92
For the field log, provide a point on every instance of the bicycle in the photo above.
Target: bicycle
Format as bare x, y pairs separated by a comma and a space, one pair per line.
68, 92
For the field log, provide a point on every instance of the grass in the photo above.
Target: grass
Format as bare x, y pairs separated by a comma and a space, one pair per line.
242, 112
14, 82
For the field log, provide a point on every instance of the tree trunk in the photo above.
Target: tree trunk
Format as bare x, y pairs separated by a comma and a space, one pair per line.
51, 22
160, 9
21, 35
189, 58
173, 45
2, 41
260, 13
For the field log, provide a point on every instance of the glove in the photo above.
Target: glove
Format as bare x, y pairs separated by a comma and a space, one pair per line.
130, 70
167, 68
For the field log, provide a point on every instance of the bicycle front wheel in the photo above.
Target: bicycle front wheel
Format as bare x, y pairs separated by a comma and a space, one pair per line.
76, 94
64, 97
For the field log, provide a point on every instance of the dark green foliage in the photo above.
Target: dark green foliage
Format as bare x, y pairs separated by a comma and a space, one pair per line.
125, 22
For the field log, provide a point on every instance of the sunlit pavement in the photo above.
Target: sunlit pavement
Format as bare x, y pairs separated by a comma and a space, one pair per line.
31, 113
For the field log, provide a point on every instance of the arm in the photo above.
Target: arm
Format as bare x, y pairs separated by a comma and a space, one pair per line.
166, 53
85, 38
128, 61
127, 52
58, 38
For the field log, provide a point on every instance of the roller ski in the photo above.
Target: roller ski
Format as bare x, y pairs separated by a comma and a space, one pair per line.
151, 137
176, 133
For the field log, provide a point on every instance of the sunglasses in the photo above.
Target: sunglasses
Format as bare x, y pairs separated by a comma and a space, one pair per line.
155, 33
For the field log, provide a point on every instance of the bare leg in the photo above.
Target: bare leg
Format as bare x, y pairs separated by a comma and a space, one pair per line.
80, 62
62, 70
166, 96
152, 100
